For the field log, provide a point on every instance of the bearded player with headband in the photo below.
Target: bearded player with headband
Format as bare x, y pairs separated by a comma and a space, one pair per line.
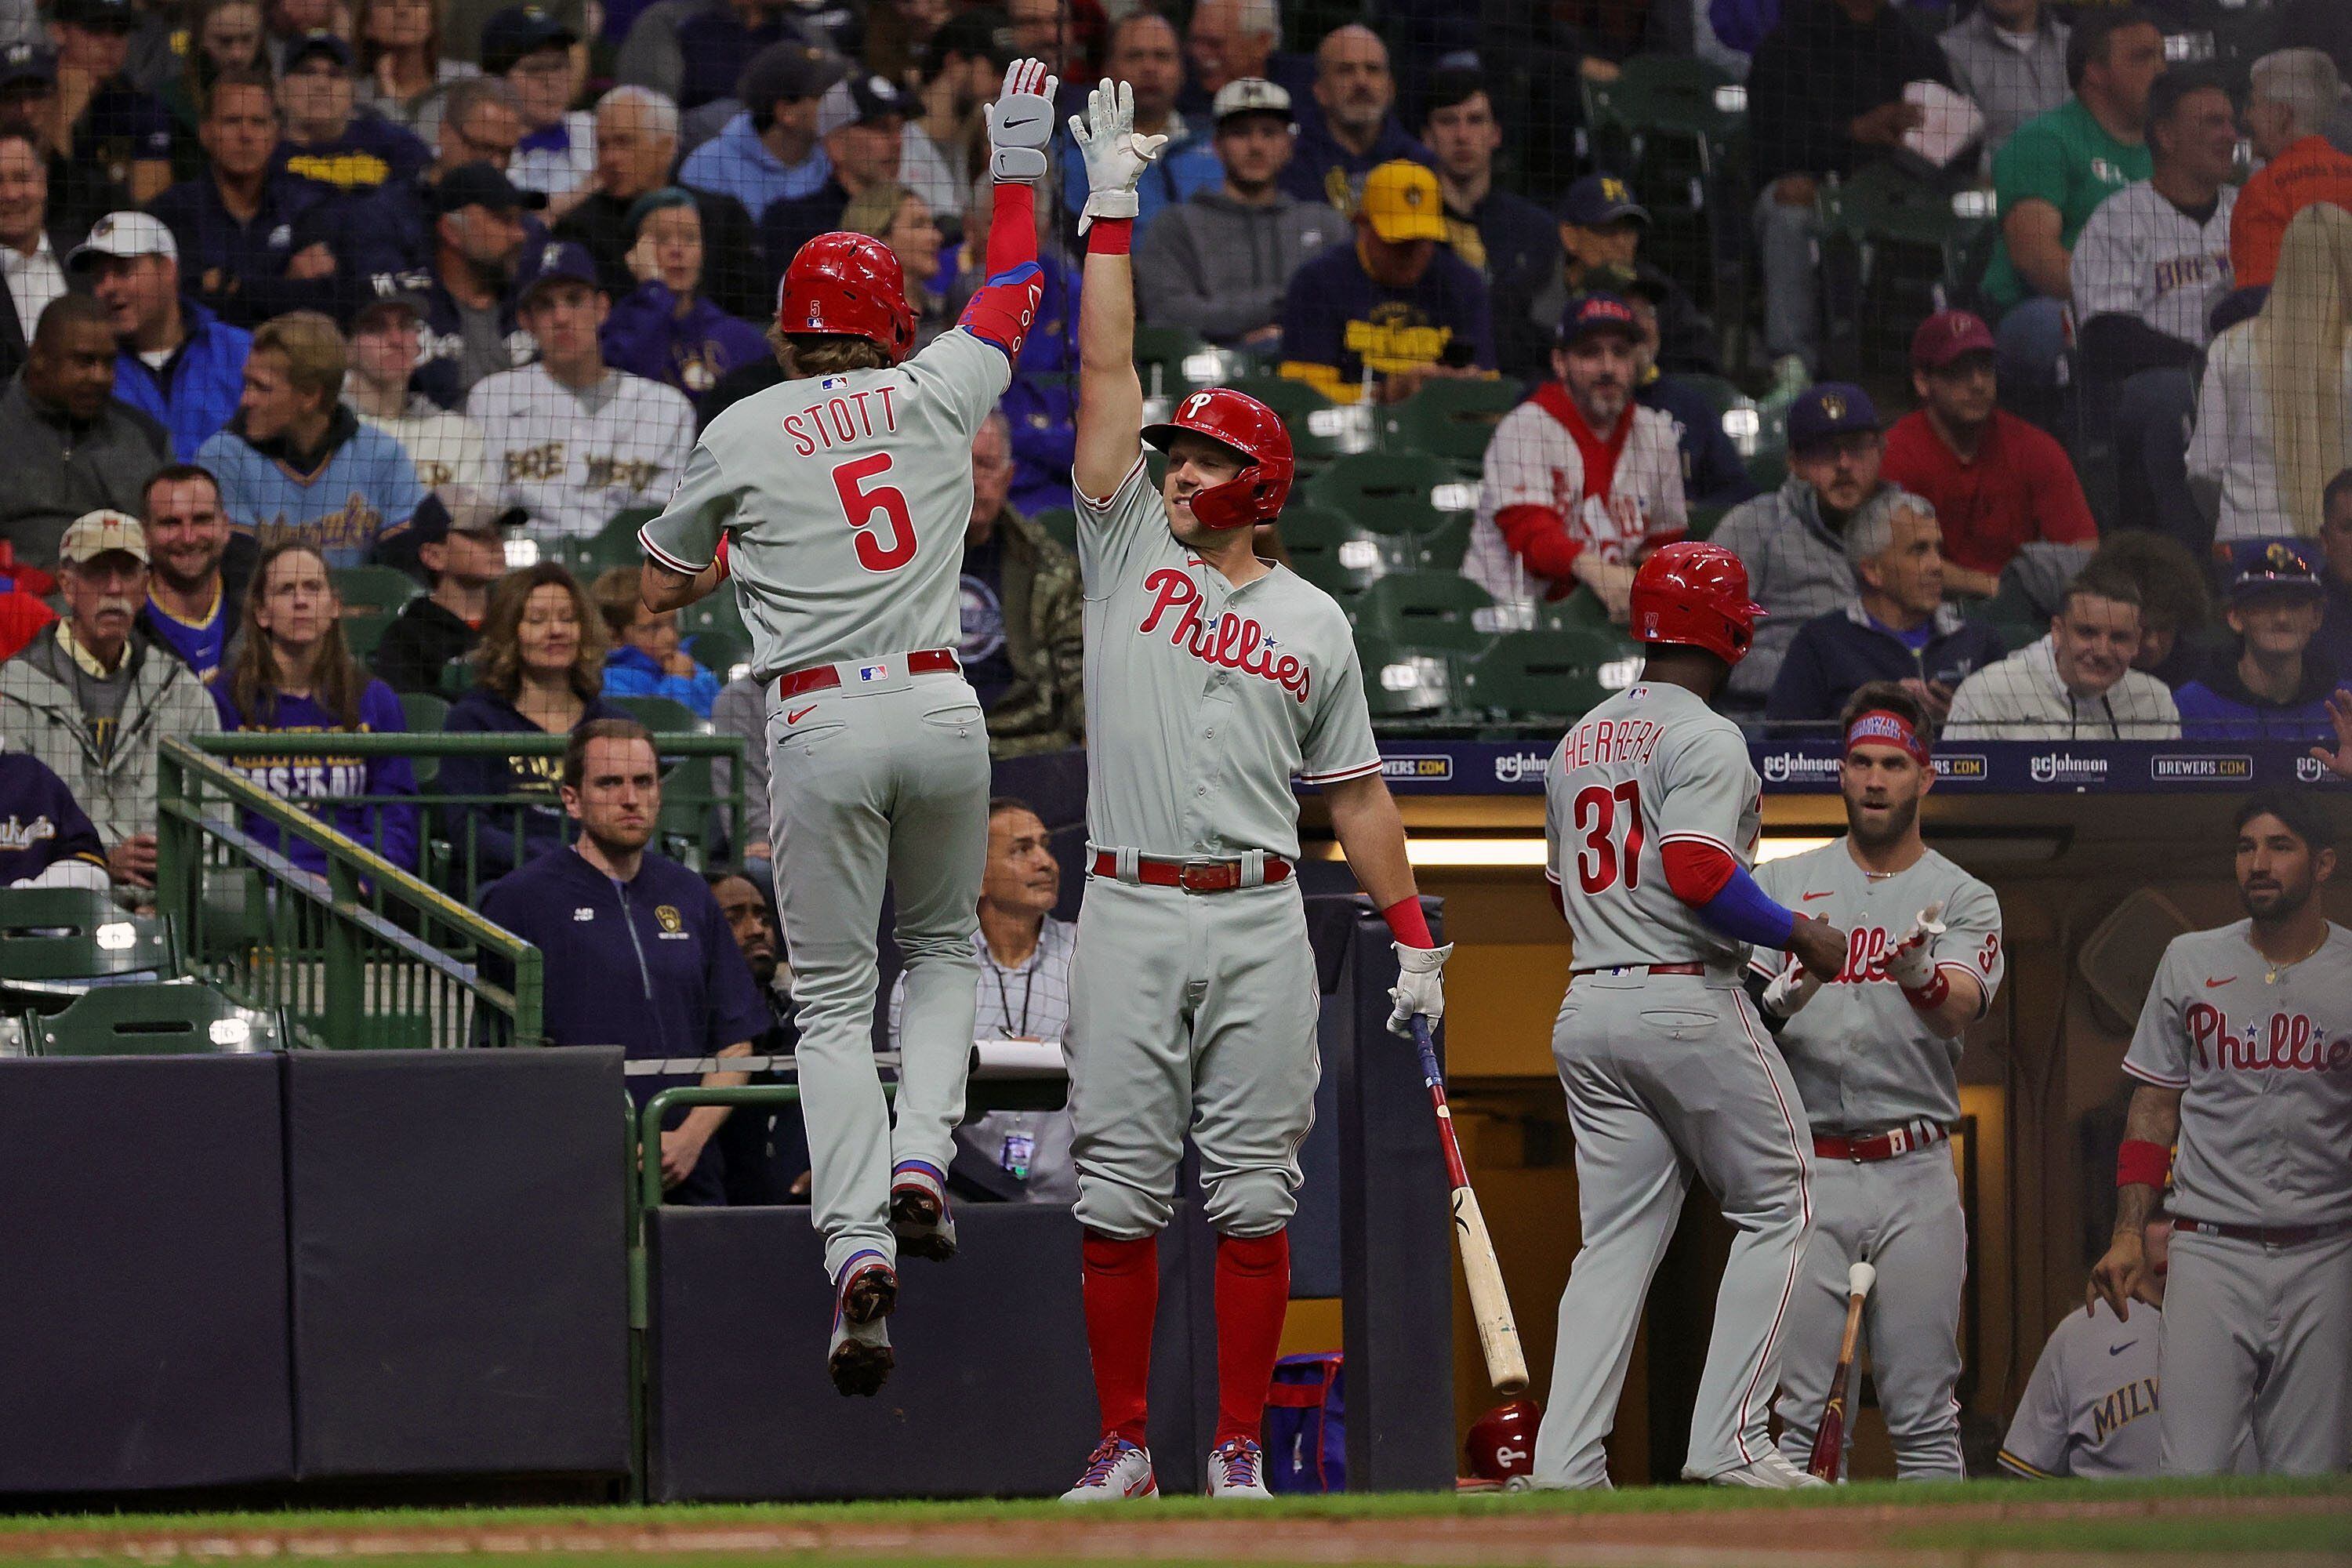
1212, 678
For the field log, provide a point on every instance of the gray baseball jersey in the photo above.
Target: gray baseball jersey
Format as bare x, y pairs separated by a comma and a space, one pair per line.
2084, 1406
1650, 765
1863, 1057
1204, 700
2141, 256
847, 498
2264, 1057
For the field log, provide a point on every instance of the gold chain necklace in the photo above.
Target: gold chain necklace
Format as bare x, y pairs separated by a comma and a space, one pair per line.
2280, 967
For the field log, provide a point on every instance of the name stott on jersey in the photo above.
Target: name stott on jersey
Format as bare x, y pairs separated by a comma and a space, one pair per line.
847, 498
2141, 256
1862, 1055
1650, 765
2266, 1068
1231, 691
573, 458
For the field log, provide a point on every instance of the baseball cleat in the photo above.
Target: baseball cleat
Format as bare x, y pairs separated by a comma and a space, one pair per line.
1115, 1472
1237, 1469
1772, 1473
859, 1359
919, 1216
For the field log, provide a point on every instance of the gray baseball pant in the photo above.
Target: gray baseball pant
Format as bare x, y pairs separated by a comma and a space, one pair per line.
2257, 1337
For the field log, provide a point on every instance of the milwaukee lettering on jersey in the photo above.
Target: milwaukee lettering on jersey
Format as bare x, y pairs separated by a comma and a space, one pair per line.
838, 421
2293, 1043
1611, 740
1235, 643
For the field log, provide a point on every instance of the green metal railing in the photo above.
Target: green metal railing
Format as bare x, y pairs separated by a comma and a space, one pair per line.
363, 955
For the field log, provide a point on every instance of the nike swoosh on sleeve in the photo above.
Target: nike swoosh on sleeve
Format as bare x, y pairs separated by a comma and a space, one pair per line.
1809, 898
2230, 980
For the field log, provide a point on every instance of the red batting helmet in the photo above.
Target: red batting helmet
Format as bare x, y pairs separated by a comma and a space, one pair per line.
1501, 1445
850, 284
1696, 595
1235, 420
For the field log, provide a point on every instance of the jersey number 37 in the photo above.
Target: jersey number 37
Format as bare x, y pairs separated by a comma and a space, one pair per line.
1610, 823
886, 546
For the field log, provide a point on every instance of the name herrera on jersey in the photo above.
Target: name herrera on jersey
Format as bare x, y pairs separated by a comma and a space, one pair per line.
840, 420
1611, 741
1237, 643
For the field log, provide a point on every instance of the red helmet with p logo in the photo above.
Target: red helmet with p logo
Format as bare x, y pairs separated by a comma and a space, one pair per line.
1235, 419
848, 285
1690, 595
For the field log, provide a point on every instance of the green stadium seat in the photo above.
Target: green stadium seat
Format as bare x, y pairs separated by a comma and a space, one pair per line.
1425, 611
662, 715
719, 651
1392, 493
425, 714
1706, 519
1319, 428
459, 676
57, 943
374, 590
714, 612
1449, 419
156, 1020
1894, 251
1161, 354
1442, 549
1404, 682
1061, 525
1722, 393
1552, 676
1582, 611
1332, 550
615, 544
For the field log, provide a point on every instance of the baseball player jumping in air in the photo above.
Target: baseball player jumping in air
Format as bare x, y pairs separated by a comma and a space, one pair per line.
837, 503
1652, 812
1212, 678
2244, 1055
1875, 1054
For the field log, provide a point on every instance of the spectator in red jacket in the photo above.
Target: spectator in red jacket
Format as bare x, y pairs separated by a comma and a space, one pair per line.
23, 610
1996, 481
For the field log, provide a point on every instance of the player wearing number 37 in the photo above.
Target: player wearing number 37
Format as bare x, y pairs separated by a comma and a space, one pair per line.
836, 504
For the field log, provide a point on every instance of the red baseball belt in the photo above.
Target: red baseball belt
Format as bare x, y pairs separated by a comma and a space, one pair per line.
1644, 969
1193, 876
1877, 1146
818, 676
2264, 1235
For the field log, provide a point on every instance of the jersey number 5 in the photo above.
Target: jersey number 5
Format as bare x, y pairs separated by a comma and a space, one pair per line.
1609, 844
876, 550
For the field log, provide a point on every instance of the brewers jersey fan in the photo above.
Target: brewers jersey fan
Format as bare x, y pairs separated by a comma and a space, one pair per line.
573, 458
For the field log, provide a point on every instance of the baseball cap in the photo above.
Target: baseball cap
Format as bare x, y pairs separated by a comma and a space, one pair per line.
460, 509
983, 32
521, 30
1597, 312
1452, 84
482, 185
390, 291
124, 235
554, 262
95, 533
2269, 565
1599, 199
859, 101
791, 69
1401, 203
320, 42
1946, 336
21, 63
1249, 95
106, 15
1830, 408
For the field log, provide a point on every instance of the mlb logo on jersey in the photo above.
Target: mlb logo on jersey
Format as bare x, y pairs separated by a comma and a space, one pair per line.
873, 672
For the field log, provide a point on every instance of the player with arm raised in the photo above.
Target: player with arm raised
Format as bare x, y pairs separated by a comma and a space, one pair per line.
837, 501
1876, 1054
1212, 678
1652, 811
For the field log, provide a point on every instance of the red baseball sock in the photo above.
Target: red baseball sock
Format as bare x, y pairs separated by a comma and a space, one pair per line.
1253, 1293
1122, 1292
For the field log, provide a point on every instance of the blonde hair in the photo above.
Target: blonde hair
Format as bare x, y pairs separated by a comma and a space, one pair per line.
313, 348
873, 210
2300, 340
615, 591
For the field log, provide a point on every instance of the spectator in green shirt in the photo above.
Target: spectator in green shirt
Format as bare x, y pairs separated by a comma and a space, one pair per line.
2050, 177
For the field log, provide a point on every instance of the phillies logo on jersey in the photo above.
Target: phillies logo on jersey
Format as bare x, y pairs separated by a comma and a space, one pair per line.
1234, 642
2286, 1042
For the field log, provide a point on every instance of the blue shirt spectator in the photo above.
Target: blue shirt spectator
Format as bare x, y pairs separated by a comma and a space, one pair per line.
176, 362
647, 659
771, 151
1144, 53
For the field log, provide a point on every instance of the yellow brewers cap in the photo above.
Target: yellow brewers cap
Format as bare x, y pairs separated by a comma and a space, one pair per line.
1401, 203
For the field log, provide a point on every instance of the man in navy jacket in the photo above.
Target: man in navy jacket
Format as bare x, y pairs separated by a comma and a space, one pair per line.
637, 952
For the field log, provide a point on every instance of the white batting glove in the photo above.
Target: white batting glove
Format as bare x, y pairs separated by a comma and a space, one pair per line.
1115, 156
1020, 123
1420, 987
1911, 963
1790, 990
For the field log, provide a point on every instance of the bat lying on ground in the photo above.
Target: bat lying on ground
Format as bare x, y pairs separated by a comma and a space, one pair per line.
1490, 1306
1829, 1439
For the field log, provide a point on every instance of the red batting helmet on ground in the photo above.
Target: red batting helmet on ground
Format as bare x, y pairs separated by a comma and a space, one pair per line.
848, 285
1235, 420
1501, 1445
1690, 595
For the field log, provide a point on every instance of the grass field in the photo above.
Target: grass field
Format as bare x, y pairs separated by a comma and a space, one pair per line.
2282, 1523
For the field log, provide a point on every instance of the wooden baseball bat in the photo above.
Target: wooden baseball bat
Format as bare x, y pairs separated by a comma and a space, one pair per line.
1829, 1438
1490, 1305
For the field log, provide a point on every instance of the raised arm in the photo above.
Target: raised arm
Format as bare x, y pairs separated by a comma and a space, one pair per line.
1020, 123
1110, 398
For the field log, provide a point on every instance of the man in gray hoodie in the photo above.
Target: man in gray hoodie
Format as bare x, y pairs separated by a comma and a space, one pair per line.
1220, 262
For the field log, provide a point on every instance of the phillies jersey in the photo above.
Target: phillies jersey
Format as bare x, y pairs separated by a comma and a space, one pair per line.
571, 458
1203, 700
2089, 1408
1649, 766
1864, 1058
846, 497
2265, 1068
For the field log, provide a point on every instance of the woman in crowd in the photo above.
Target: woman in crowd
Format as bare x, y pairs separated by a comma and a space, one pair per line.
542, 673
402, 75
647, 659
290, 674
666, 331
902, 220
